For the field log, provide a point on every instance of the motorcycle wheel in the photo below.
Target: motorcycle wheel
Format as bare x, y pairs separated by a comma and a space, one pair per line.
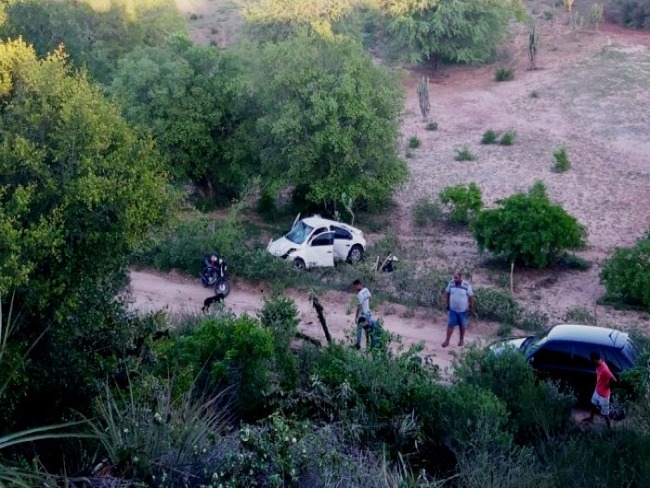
223, 287
208, 277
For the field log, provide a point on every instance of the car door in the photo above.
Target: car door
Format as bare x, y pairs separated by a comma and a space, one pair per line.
553, 360
342, 242
320, 250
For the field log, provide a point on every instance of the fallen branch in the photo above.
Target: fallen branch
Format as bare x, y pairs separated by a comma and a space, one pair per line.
311, 340
321, 316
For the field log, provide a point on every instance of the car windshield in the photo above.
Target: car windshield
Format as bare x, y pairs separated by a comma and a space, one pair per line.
533, 342
299, 233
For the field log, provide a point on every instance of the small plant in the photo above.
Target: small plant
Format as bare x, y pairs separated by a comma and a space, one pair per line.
548, 15
432, 126
508, 139
465, 154
490, 137
534, 94
425, 211
562, 162
533, 44
504, 74
462, 202
504, 330
596, 14
408, 154
414, 142
579, 315
423, 97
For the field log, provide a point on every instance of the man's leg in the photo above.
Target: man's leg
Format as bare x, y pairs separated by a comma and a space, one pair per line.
357, 344
604, 411
462, 323
452, 321
594, 408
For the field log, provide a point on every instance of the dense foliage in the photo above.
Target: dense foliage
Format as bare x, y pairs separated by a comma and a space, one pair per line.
626, 274
528, 229
461, 31
78, 190
328, 120
95, 33
462, 202
192, 97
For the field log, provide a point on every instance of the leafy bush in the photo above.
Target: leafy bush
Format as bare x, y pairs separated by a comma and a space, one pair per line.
227, 351
464, 154
579, 315
504, 74
414, 142
571, 261
462, 202
418, 30
281, 317
432, 126
509, 138
425, 212
626, 273
495, 305
536, 408
562, 163
528, 229
489, 137
632, 13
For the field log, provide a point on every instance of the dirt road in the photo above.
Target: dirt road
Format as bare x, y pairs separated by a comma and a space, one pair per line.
180, 295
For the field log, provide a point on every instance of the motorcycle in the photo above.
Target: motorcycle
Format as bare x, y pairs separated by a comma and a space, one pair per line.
214, 274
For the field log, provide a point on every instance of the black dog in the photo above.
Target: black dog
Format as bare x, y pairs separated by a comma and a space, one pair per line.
219, 298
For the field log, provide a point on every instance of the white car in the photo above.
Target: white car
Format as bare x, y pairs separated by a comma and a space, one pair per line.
318, 242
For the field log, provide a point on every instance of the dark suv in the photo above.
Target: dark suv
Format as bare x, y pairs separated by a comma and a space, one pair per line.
562, 354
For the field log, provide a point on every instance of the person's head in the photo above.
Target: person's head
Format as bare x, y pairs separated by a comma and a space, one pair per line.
357, 285
458, 278
595, 357
362, 321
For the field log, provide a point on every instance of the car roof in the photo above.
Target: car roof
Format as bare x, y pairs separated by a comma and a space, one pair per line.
318, 221
590, 334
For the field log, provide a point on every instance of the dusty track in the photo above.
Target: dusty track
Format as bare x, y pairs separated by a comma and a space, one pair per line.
180, 295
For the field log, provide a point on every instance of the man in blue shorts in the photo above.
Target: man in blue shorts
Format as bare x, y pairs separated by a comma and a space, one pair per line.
459, 301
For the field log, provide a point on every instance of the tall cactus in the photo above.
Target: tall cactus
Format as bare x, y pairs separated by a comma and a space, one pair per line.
533, 43
423, 95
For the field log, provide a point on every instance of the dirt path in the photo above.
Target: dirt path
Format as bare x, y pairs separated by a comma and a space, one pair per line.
178, 295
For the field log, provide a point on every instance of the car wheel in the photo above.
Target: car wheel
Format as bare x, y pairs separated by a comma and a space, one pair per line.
299, 263
356, 254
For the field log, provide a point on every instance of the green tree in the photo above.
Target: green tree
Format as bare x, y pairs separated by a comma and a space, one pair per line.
194, 100
528, 229
328, 120
626, 274
460, 31
95, 33
78, 191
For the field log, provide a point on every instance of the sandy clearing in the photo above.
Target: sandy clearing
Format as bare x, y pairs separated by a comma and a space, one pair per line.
178, 295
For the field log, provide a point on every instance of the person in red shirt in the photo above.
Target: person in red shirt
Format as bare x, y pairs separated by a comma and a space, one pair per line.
600, 398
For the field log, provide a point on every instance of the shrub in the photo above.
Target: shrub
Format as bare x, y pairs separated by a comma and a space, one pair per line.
425, 212
626, 273
490, 137
571, 261
536, 408
504, 74
632, 13
432, 126
528, 229
464, 154
228, 351
534, 94
562, 163
508, 139
462, 202
280, 315
414, 142
495, 305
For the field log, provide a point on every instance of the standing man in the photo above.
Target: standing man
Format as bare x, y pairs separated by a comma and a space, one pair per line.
459, 301
600, 398
363, 310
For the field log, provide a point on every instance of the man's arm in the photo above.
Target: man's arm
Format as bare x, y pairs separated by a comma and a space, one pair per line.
471, 304
446, 300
